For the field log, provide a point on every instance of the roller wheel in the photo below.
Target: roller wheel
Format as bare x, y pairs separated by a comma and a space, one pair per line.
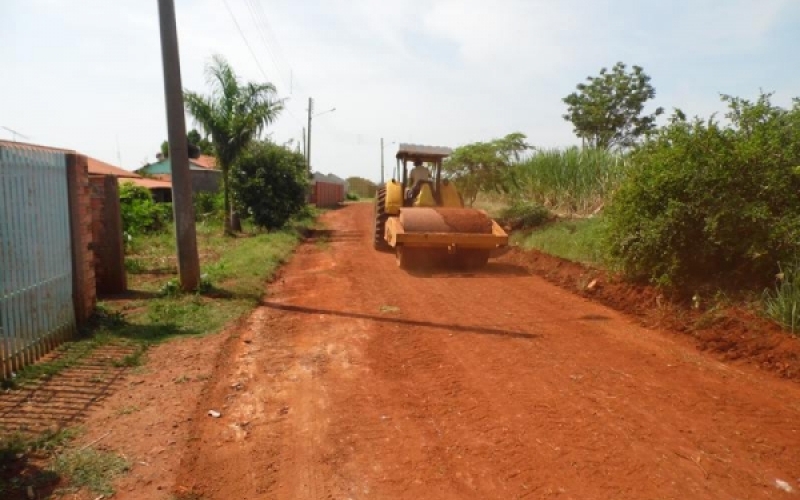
472, 260
380, 221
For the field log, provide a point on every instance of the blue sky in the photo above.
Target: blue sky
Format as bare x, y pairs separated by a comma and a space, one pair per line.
86, 74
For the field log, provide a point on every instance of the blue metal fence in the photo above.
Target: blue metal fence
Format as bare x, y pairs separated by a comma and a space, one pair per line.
36, 308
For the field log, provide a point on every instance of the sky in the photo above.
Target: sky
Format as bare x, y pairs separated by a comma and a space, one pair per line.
87, 75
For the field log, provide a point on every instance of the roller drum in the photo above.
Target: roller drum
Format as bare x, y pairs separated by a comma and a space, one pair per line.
445, 220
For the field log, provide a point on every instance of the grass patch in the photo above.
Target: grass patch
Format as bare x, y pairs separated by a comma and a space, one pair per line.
234, 271
579, 240
20, 455
89, 468
783, 303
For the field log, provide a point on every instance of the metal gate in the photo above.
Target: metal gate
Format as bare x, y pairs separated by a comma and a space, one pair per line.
36, 307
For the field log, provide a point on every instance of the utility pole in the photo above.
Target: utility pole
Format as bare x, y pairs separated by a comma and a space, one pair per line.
188, 260
382, 161
308, 139
305, 151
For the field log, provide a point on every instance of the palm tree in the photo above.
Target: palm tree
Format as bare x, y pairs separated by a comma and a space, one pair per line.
234, 114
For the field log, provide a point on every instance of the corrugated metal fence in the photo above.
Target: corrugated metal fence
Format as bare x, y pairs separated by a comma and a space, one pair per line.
36, 307
327, 194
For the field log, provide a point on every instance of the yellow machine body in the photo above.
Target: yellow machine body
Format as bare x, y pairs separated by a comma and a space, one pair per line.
394, 197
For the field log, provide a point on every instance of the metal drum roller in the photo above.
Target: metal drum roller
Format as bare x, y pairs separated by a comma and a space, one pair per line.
445, 220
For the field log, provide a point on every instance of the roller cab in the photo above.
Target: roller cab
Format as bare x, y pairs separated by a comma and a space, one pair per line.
424, 221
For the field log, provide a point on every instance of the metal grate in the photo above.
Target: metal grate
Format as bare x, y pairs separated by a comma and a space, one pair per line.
36, 308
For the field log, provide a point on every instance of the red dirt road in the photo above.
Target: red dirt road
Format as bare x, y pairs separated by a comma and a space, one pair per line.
356, 380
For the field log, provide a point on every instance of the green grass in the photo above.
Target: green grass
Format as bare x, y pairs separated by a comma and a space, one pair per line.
571, 181
234, 273
783, 303
17, 470
578, 240
91, 469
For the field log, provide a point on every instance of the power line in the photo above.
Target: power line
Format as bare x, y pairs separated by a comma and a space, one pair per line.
244, 38
253, 54
260, 31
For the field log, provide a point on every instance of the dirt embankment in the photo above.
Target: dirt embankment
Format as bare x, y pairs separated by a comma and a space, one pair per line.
731, 333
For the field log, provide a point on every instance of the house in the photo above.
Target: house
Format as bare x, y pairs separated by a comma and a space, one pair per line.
202, 171
161, 189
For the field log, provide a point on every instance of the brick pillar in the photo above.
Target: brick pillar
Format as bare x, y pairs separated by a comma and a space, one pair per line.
109, 252
80, 220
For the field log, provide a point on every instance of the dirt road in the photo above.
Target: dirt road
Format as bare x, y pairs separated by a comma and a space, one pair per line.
358, 380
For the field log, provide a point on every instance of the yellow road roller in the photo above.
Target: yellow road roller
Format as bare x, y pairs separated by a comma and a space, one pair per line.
422, 217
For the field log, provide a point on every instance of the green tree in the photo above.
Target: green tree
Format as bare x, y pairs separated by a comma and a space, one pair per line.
200, 144
234, 114
481, 166
607, 111
271, 182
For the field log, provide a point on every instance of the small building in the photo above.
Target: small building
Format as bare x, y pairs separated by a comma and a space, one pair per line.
203, 173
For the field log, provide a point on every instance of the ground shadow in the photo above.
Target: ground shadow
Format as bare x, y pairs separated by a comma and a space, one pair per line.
65, 398
492, 270
331, 235
402, 321
130, 295
18, 473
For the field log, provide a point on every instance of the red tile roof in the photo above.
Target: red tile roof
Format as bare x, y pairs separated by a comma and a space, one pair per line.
205, 161
96, 167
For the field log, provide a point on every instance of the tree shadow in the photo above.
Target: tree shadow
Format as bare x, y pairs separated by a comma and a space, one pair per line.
19, 472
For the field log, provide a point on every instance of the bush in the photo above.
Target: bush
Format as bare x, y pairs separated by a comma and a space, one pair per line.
707, 203
209, 206
525, 215
783, 304
270, 183
351, 196
140, 214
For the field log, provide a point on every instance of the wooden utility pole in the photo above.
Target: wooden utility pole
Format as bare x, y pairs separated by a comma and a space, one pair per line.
188, 260
308, 139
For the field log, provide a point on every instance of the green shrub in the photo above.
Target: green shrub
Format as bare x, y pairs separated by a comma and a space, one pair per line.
710, 203
783, 303
270, 182
351, 196
140, 213
209, 206
525, 215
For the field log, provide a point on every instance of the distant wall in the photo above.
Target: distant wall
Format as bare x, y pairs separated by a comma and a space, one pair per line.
206, 181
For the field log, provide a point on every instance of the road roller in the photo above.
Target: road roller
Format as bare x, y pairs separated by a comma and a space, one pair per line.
421, 216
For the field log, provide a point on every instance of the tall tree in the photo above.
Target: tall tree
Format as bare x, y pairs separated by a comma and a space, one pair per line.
607, 111
481, 166
233, 115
